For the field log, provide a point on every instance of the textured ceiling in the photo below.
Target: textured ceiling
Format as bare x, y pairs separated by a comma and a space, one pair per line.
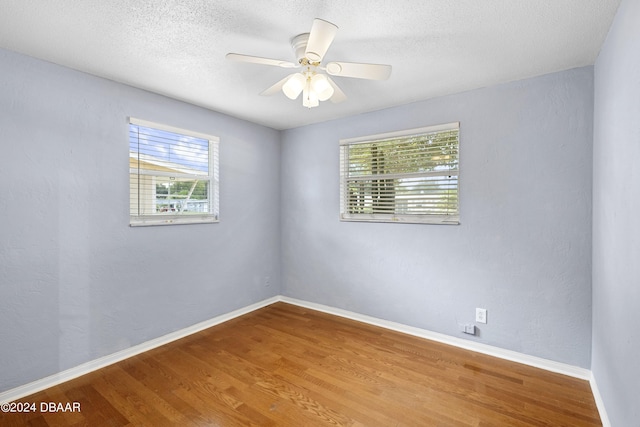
177, 47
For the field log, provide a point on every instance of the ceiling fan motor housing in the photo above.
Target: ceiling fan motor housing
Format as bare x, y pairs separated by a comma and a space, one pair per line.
299, 45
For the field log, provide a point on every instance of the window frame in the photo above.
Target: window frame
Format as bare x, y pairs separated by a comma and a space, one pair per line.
450, 219
212, 178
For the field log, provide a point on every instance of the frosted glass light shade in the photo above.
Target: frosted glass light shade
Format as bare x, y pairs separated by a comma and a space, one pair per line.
321, 86
294, 86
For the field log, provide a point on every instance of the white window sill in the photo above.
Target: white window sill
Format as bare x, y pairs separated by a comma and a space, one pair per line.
403, 219
172, 220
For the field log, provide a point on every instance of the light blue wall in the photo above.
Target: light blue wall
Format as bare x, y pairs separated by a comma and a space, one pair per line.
76, 282
522, 251
616, 229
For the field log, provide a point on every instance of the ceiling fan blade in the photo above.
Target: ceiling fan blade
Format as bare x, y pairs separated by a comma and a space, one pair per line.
276, 87
358, 70
320, 38
258, 60
338, 95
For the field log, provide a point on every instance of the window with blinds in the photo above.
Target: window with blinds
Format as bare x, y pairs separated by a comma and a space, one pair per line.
408, 176
173, 175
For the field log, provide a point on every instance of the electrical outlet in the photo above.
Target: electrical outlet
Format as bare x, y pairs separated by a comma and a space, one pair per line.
481, 315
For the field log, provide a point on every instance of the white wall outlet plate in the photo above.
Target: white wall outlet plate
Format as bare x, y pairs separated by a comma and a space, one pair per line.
481, 315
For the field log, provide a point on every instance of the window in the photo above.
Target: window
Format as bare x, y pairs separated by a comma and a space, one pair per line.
408, 176
173, 175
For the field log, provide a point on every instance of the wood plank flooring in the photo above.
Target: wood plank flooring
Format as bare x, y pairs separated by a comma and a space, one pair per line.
288, 366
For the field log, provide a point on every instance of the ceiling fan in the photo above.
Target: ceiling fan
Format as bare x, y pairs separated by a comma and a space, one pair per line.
315, 86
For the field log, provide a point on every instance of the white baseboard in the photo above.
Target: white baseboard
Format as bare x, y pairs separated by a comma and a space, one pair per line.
85, 368
537, 362
599, 402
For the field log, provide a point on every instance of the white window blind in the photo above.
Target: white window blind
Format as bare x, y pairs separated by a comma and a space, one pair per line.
173, 175
407, 176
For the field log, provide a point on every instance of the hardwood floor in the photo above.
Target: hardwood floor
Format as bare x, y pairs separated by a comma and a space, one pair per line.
288, 366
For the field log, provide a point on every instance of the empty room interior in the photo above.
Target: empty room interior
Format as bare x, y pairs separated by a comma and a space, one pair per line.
320, 212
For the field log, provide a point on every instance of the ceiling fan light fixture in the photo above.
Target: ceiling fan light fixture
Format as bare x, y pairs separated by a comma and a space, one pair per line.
294, 85
310, 49
320, 85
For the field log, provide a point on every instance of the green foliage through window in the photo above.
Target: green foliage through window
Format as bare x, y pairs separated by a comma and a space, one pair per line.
410, 177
